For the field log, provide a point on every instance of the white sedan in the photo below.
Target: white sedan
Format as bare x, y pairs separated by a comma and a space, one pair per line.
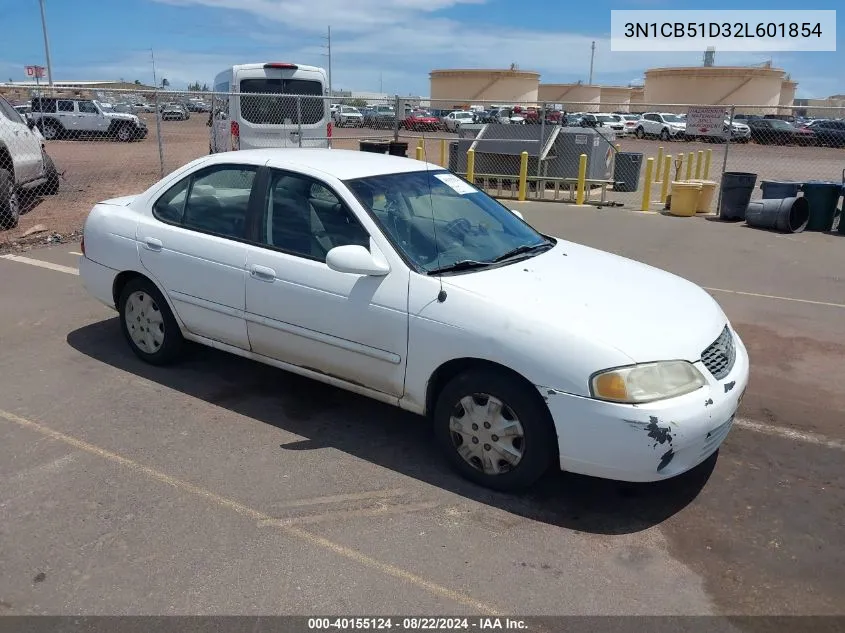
398, 280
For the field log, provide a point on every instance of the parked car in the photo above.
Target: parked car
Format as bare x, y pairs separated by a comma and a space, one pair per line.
453, 121
83, 118
508, 116
348, 116
419, 121
612, 121
197, 106
26, 170
778, 132
630, 122
740, 132
488, 116
662, 125
312, 276
174, 112
828, 132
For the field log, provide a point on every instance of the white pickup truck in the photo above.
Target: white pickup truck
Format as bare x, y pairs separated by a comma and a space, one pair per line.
26, 170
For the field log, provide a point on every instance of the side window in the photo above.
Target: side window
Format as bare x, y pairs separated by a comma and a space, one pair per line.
65, 106
9, 112
170, 207
218, 200
304, 217
87, 107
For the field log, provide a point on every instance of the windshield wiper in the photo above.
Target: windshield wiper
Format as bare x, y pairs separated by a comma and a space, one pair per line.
464, 264
521, 250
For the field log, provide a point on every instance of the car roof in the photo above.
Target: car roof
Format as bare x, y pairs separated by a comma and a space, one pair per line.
343, 164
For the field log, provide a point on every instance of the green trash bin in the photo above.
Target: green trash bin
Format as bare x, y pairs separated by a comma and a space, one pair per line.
823, 198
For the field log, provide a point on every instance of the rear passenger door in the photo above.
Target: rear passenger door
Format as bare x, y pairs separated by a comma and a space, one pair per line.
194, 245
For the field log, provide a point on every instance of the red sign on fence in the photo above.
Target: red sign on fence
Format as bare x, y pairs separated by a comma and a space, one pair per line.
35, 71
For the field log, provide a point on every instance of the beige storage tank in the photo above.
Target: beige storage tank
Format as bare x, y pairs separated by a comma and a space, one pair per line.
715, 85
787, 92
573, 97
462, 88
616, 98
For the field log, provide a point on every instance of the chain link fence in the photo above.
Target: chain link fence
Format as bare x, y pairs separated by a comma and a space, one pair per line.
108, 143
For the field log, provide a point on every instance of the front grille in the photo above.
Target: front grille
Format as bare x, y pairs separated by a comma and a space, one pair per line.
720, 356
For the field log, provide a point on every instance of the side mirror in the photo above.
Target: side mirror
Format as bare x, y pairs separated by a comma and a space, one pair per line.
355, 260
517, 214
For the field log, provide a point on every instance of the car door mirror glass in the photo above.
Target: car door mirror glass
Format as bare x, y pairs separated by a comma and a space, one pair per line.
355, 260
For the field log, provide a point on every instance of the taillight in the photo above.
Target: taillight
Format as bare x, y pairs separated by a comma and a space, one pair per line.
285, 65
329, 130
236, 129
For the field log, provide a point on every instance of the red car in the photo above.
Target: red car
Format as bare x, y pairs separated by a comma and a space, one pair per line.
420, 121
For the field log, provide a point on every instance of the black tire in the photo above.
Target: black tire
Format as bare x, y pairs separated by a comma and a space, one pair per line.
51, 188
10, 203
173, 343
639, 133
125, 133
50, 130
539, 438
664, 135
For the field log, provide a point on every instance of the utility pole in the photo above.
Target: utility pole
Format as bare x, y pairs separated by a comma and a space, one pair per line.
328, 54
592, 58
46, 46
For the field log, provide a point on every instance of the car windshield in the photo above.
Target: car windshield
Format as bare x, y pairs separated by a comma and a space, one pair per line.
438, 220
605, 118
777, 124
672, 118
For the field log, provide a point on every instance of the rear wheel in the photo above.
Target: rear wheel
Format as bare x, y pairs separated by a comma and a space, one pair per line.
494, 430
664, 134
10, 202
640, 133
148, 324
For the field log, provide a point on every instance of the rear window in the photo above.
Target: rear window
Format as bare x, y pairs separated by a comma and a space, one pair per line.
281, 110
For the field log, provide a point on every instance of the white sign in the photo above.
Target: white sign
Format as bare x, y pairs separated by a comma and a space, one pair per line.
580, 139
456, 184
706, 121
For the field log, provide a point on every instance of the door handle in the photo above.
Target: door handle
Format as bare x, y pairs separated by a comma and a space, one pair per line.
152, 244
262, 273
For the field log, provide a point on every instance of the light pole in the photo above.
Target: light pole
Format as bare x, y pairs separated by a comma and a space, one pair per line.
46, 45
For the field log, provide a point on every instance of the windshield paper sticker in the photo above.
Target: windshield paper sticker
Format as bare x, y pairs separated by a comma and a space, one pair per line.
456, 184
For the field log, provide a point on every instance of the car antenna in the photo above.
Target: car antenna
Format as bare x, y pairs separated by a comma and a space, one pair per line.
421, 154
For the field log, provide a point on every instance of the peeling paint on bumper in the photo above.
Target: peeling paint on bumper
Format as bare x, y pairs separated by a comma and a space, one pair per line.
650, 442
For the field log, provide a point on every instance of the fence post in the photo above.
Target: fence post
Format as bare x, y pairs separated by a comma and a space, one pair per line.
667, 171
523, 176
649, 169
659, 164
443, 161
542, 139
299, 119
725, 157
707, 156
471, 166
582, 177
396, 119
158, 134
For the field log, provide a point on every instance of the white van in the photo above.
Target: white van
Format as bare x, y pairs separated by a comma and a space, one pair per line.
239, 120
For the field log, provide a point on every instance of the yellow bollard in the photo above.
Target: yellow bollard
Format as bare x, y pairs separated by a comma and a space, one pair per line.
471, 165
689, 165
582, 177
649, 170
667, 172
699, 163
443, 153
420, 152
707, 156
523, 176
657, 172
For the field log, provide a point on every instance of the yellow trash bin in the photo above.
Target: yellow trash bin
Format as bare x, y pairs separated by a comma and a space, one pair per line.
708, 192
685, 196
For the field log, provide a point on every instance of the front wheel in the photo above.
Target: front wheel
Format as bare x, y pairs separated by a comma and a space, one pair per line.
125, 133
51, 187
640, 133
494, 430
10, 203
148, 324
664, 135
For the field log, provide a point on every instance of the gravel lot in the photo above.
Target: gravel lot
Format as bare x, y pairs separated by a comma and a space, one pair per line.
96, 170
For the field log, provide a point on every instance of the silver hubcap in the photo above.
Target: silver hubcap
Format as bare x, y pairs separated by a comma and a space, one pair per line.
49, 132
487, 434
123, 133
144, 322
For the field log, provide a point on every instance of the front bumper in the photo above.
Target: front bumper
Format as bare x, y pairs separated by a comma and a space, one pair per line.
648, 442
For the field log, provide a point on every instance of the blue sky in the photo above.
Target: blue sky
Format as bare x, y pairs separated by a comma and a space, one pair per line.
376, 44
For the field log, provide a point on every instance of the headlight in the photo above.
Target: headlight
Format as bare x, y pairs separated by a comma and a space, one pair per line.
647, 382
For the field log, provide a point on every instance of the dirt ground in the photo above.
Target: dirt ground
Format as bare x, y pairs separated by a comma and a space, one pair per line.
97, 170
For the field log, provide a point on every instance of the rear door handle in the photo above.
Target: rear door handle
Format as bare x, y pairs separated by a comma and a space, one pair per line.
262, 273
152, 244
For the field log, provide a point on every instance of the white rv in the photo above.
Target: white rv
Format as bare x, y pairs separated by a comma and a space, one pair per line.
272, 104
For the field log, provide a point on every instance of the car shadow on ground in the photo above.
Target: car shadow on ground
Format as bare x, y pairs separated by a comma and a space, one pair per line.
389, 437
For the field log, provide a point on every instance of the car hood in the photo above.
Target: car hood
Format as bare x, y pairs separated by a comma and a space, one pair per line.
646, 313
120, 115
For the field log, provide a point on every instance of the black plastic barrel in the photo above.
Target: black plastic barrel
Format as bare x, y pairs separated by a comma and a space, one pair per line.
780, 189
398, 148
823, 197
626, 171
787, 215
737, 187
375, 147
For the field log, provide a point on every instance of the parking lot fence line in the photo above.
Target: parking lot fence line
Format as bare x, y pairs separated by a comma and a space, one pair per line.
659, 164
159, 138
471, 166
649, 169
664, 185
398, 111
523, 177
582, 177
